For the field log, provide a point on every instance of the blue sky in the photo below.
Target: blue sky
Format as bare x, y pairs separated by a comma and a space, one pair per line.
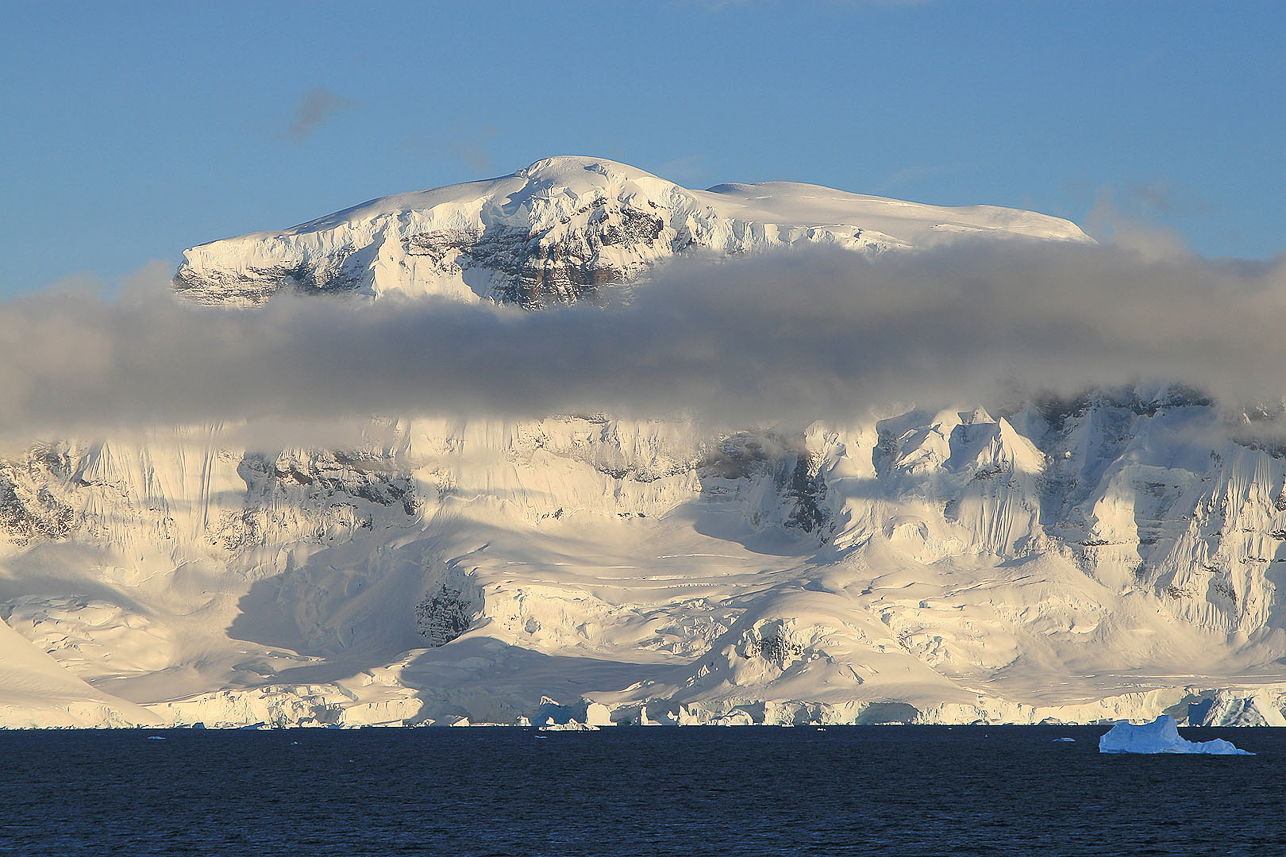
135, 130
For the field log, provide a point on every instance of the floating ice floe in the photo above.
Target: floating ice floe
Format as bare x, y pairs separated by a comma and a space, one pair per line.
1161, 736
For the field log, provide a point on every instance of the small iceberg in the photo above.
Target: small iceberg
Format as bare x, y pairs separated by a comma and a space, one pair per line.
1161, 736
569, 726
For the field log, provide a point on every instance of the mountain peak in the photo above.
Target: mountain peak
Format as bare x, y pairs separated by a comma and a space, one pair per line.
568, 167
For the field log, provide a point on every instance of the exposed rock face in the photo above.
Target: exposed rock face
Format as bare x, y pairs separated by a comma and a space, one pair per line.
443, 616
28, 509
557, 265
255, 286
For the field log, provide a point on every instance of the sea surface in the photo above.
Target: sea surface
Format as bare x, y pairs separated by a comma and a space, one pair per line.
868, 790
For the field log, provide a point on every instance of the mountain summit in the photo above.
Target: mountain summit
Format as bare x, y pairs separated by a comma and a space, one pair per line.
562, 230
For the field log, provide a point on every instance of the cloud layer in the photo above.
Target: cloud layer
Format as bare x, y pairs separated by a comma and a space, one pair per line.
797, 336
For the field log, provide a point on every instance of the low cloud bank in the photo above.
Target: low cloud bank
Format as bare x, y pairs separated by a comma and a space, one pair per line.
797, 336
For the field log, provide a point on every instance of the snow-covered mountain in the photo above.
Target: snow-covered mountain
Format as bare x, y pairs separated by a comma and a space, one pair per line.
1114, 555
563, 229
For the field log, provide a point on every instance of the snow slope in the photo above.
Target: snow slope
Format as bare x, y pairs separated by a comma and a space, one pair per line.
1115, 556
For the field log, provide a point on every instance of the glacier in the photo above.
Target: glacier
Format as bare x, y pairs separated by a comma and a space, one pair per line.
1088, 559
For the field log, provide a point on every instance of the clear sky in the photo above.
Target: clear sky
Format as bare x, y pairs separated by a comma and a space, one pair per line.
133, 130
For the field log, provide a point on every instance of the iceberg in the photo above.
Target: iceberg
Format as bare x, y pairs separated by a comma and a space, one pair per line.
1161, 736
569, 726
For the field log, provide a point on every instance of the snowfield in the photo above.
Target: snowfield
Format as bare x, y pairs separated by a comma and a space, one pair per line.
1110, 557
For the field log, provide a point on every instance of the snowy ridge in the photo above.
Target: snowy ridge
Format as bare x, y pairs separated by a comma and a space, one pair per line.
563, 229
1115, 556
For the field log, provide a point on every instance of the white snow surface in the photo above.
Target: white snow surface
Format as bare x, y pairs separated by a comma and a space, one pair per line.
1115, 557
1161, 736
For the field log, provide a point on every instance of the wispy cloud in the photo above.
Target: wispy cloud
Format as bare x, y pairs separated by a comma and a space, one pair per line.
462, 141
1162, 197
469, 146
905, 176
316, 107
686, 169
1126, 227
817, 334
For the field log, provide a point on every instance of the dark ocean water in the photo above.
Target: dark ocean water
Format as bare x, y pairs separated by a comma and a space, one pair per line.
761, 791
